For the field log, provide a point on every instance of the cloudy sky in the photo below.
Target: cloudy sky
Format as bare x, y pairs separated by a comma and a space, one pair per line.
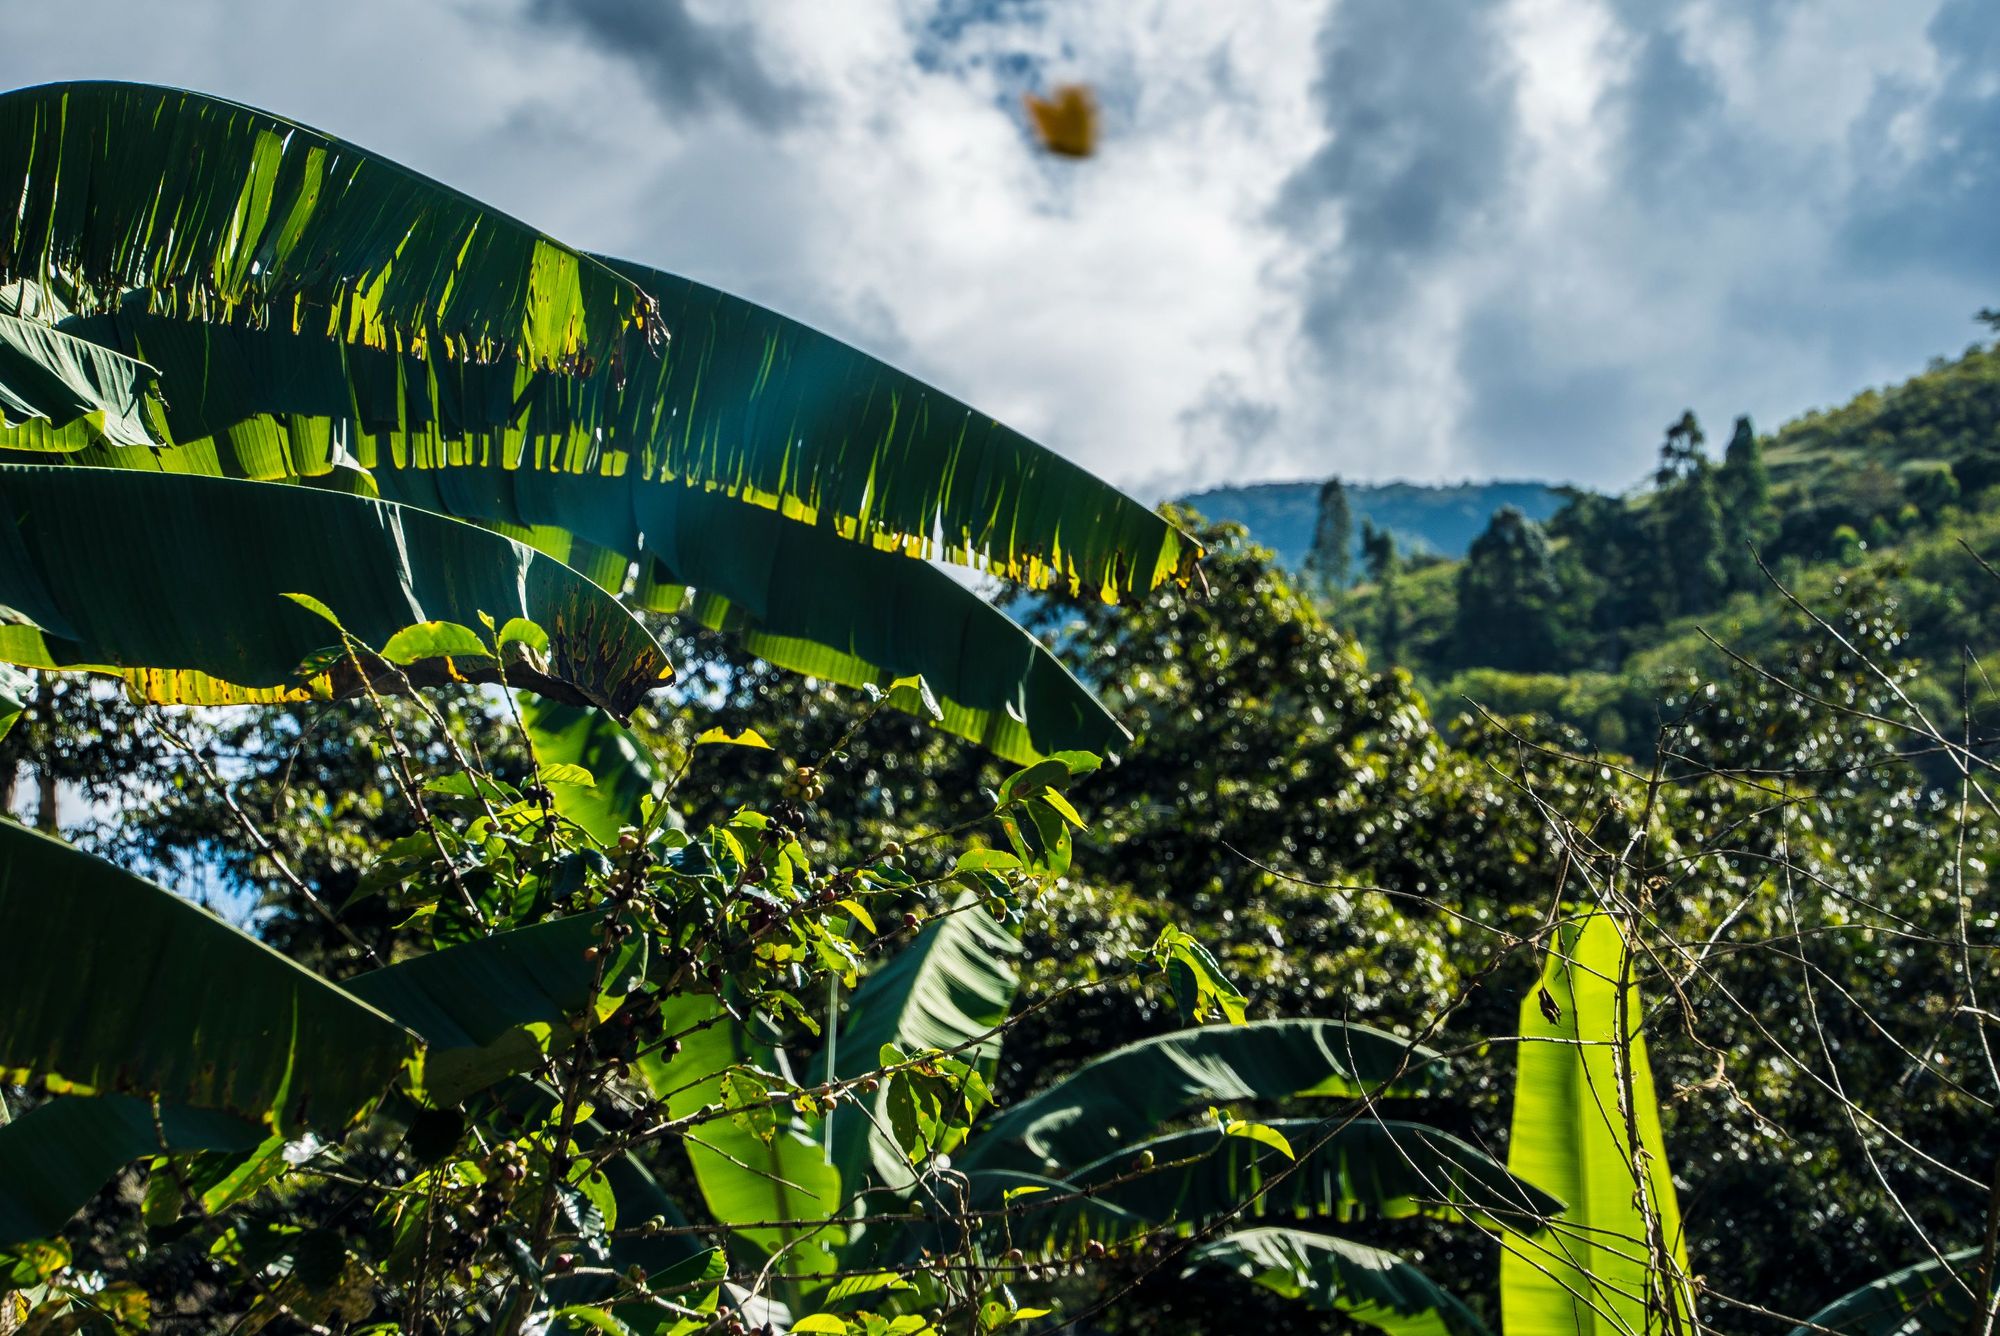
1423, 239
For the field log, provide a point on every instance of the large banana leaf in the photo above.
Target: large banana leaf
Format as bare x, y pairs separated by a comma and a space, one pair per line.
1126, 1094
55, 1157
257, 272
765, 408
1928, 1299
485, 1009
219, 212
61, 388
800, 596
750, 1167
745, 402
1368, 1169
1589, 1273
117, 985
491, 1007
182, 582
950, 986
1337, 1276
620, 766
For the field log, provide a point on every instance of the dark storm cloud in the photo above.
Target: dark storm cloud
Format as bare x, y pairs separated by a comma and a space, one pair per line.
687, 65
1421, 121
1937, 210
1712, 243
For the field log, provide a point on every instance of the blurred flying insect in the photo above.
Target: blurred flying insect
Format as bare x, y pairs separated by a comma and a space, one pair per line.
1065, 121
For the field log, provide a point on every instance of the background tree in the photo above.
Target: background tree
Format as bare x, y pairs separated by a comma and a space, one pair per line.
1508, 597
1744, 487
1331, 557
1378, 557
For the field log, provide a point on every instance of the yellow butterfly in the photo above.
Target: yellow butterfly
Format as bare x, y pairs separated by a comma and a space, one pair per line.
1066, 120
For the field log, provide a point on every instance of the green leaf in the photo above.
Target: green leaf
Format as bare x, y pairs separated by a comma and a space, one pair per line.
1261, 1133
55, 380
623, 768
492, 1007
949, 986
1367, 1169
1034, 780
15, 689
475, 1005
987, 860
1080, 763
116, 985
563, 772
211, 207
1201, 990
1126, 1094
1589, 1273
1932, 1298
854, 1287
913, 695
749, 737
56, 1156
826, 1324
182, 582
435, 640
742, 1176
1335, 1276
597, 1319
745, 400
866, 444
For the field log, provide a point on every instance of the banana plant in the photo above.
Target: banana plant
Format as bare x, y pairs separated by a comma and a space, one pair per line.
160, 1029
1059, 1173
1586, 1127
1933, 1298
305, 310
1083, 1164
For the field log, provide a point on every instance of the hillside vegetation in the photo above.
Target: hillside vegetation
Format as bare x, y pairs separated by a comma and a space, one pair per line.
1606, 616
1438, 519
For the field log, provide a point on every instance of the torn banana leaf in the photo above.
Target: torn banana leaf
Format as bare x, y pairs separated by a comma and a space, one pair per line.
116, 985
217, 212
184, 584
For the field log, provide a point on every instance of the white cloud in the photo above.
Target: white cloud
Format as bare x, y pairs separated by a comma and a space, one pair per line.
1522, 264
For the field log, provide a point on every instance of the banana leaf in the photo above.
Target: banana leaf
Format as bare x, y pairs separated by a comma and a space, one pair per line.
1589, 1273
492, 1007
181, 583
56, 381
745, 402
765, 408
1928, 1299
116, 985
755, 1166
484, 1009
56, 1156
1368, 1169
950, 986
1334, 1275
1126, 1094
800, 596
221, 213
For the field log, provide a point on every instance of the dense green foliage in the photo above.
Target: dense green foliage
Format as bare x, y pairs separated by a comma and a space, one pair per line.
783, 1006
1878, 493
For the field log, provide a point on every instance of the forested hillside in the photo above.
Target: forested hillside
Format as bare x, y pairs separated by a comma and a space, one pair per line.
1614, 607
1430, 518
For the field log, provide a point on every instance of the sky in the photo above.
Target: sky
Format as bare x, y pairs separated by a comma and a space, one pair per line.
1419, 239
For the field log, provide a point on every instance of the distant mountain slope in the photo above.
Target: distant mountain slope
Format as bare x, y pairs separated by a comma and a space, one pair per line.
1441, 519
